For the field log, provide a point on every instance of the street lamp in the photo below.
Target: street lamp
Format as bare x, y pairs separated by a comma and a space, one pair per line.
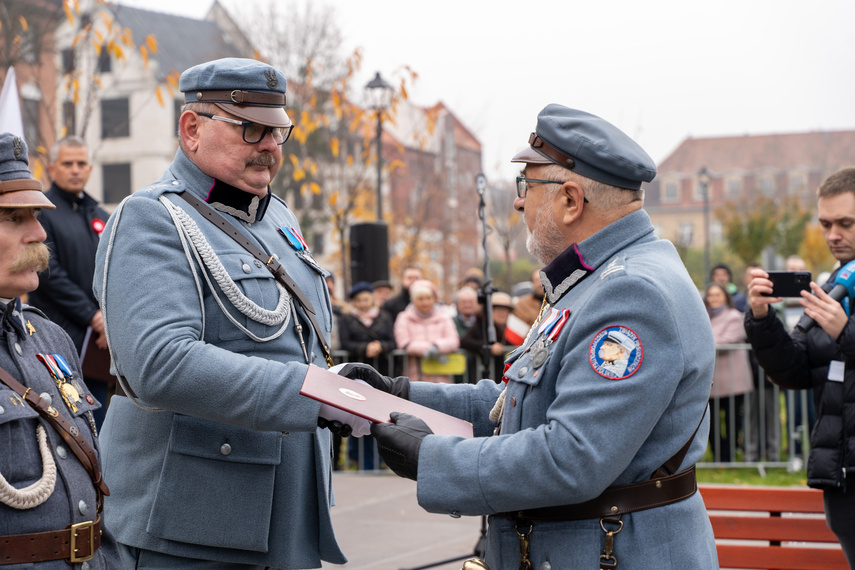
704, 182
379, 94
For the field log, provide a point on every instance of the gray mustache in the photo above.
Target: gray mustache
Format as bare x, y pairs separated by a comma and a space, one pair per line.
262, 160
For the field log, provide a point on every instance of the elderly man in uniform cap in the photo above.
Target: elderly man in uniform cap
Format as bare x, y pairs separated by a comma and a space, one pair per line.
51, 488
589, 465
214, 309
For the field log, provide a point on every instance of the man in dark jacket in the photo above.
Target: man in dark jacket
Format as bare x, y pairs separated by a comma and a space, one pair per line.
823, 358
399, 302
73, 231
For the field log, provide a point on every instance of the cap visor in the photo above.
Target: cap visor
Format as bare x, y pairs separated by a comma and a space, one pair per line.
530, 156
25, 199
267, 116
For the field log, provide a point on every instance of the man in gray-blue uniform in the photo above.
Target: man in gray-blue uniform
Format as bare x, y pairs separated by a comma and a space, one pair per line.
593, 462
216, 459
51, 488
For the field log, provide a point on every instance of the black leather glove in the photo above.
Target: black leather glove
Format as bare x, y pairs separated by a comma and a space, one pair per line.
335, 427
399, 386
399, 443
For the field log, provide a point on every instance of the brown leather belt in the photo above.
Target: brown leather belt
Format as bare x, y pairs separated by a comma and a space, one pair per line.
75, 543
619, 500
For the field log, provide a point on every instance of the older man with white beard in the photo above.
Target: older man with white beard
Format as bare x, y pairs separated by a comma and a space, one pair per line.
580, 463
51, 489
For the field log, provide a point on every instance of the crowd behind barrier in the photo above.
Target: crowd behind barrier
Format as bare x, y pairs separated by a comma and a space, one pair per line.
751, 418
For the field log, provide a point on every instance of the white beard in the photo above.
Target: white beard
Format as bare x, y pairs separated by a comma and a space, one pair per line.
545, 241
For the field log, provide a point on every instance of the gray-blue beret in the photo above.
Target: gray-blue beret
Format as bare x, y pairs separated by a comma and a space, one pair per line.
589, 146
246, 88
18, 188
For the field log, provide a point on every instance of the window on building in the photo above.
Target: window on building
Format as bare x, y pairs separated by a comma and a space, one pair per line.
116, 181
716, 231
30, 109
766, 185
29, 47
69, 120
67, 60
115, 118
734, 188
297, 199
685, 233
701, 189
671, 192
797, 184
105, 63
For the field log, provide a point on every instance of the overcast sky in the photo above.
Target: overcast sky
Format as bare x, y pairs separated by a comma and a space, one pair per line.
661, 71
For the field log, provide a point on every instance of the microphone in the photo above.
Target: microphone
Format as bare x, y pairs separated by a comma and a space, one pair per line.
481, 183
844, 286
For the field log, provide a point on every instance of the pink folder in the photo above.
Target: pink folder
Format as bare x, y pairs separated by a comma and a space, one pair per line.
375, 405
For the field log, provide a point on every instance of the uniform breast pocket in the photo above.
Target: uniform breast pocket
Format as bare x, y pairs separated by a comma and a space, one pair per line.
13, 409
248, 292
213, 473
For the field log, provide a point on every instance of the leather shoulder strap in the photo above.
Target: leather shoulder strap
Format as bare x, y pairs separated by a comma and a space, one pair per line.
69, 432
269, 261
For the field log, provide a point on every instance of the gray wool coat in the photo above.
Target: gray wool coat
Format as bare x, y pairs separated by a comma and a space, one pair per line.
575, 424
232, 467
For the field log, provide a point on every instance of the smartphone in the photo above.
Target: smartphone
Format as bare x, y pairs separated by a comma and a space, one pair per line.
788, 283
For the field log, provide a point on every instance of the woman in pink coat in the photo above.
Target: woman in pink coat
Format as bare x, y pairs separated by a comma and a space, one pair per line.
424, 330
732, 375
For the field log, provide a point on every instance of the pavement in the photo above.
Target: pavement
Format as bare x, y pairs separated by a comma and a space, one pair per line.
380, 526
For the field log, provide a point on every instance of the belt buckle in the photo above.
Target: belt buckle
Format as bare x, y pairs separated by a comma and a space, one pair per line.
80, 526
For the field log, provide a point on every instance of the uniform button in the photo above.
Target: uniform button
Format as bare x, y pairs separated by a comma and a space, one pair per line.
1, 409
61, 452
82, 507
246, 268
513, 402
18, 349
46, 397
546, 566
523, 371
454, 514
225, 449
175, 183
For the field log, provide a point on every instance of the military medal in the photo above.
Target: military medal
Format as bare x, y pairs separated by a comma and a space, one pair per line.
296, 241
539, 353
70, 394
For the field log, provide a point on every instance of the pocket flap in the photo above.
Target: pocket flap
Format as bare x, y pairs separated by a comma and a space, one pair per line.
214, 440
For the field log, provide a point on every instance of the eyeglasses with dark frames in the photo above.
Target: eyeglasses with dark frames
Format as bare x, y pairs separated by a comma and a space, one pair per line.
254, 133
522, 185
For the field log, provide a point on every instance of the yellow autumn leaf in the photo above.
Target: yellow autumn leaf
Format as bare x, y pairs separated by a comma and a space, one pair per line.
334, 146
299, 135
299, 174
294, 160
350, 160
151, 42
314, 168
24, 25
404, 93
395, 164
97, 81
38, 169
68, 14
144, 54
333, 200
128, 37
159, 95
41, 150
304, 189
315, 188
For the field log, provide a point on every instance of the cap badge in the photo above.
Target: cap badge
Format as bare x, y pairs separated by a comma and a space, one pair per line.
272, 82
18, 147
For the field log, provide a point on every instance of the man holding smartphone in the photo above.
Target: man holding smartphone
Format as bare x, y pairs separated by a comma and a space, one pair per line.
822, 358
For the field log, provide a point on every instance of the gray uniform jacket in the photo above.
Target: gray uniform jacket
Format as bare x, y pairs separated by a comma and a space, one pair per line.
233, 467
575, 422
73, 499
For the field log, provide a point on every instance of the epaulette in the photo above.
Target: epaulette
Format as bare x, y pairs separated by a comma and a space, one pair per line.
154, 191
36, 310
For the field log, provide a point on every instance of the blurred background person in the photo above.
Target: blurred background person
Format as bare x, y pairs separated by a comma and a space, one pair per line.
525, 312
382, 291
732, 376
424, 330
468, 308
367, 333
473, 339
399, 302
73, 232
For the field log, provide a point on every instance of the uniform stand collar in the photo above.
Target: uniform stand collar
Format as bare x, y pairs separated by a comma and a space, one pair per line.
242, 205
13, 316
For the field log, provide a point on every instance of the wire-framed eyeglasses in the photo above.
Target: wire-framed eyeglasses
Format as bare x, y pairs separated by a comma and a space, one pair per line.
254, 133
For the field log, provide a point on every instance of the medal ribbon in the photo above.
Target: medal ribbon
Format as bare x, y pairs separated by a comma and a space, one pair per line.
555, 328
294, 238
63, 365
49, 361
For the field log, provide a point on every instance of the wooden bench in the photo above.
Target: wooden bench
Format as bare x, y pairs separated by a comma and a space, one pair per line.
773, 515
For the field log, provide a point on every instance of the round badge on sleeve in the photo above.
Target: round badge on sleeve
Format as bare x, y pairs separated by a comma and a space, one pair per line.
615, 352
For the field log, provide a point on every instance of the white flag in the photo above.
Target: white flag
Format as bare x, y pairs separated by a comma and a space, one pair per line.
10, 107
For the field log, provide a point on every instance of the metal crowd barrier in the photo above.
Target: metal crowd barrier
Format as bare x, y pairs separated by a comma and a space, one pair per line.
771, 425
